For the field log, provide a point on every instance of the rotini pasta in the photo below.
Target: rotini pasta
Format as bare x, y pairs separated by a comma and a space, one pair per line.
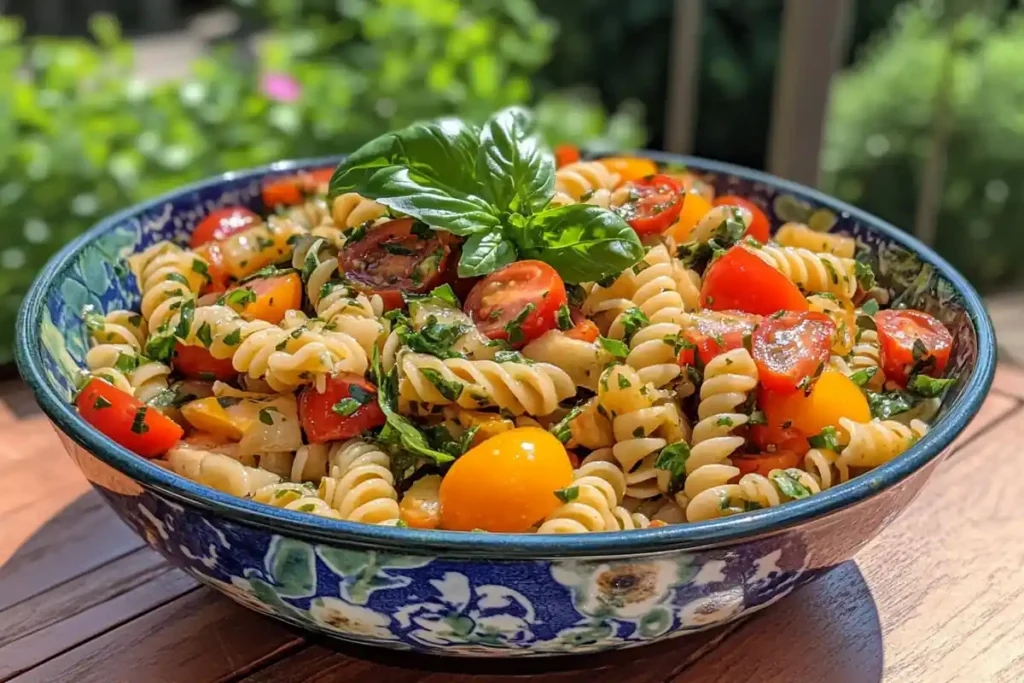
810, 271
360, 486
877, 442
588, 182
349, 210
800, 236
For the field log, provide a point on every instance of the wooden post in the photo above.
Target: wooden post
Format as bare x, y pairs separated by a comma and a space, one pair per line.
813, 40
680, 120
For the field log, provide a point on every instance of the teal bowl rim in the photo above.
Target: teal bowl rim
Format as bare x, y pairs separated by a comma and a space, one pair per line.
509, 546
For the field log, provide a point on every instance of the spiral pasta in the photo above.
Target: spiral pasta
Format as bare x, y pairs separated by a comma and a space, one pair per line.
168, 277
116, 355
219, 471
810, 271
822, 465
841, 313
590, 428
297, 497
728, 380
866, 355
582, 360
600, 486
360, 485
534, 389
708, 226
800, 236
585, 181
350, 210
877, 442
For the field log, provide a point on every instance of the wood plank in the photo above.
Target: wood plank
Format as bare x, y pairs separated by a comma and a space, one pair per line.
936, 597
82, 626
995, 409
1009, 380
197, 638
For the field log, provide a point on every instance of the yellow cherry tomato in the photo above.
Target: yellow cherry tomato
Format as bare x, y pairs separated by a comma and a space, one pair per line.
268, 298
420, 508
629, 168
694, 208
506, 484
834, 396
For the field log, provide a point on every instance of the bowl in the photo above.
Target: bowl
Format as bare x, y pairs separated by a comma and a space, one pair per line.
482, 594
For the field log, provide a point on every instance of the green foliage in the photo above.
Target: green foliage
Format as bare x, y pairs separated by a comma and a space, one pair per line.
81, 138
881, 125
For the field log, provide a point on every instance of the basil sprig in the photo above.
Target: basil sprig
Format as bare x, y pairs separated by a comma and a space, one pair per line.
491, 185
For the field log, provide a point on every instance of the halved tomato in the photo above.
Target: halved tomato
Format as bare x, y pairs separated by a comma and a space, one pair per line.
759, 228
764, 463
741, 281
141, 429
791, 350
517, 303
654, 204
267, 298
912, 342
196, 362
566, 154
219, 275
347, 408
294, 189
399, 256
777, 437
223, 223
715, 333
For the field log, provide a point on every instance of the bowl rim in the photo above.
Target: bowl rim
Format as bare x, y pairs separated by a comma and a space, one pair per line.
744, 527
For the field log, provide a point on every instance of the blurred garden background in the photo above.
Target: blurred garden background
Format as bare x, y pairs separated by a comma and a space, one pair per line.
108, 102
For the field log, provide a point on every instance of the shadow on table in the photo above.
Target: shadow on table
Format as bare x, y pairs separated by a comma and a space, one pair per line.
827, 631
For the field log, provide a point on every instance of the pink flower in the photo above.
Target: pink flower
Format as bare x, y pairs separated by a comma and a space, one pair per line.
281, 87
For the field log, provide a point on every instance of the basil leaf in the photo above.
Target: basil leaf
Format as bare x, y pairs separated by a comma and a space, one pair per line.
929, 387
443, 152
562, 430
399, 431
828, 439
613, 346
863, 376
568, 494
411, 194
581, 241
788, 482
672, 459
514, 166
888, 403
485, 252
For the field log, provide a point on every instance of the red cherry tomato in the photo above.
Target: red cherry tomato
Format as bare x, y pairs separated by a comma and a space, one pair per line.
792, 350
223, 223
566, 154
741, 281
655, 203
759, 228
196, 362
294, 189
400, 255
715, 333
585, 330
347, 408
219, 275
912, 342
764, 463
130, 422
518, 303
773, 437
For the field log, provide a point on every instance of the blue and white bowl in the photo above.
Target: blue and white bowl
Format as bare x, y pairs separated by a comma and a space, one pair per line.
488, 594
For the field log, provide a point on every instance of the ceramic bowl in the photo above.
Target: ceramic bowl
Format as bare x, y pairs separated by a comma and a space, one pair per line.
476, 593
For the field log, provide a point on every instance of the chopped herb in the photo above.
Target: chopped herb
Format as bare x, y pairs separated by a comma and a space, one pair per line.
633, 320
885, 404
207, 376
613, 346
569, 494
709, 300
434, 338
346, 406
401, 524
160, 348
199, 266
564, 318
450, 389
177, 277
827, 264
266, 272
787, 424
205, 335
639, 433
101, 403
495, 314
264, 242
506, 356
677, 342
265, 415
624, 382
828, 439
562, 430
725, 421
865, 276
869, 307
863, 376
306, 507
397, 249
188, 311
233, 337
126, 362
788, 482
139, 425
360, 394
575, 294
672, 459
228, 401
514, 327
241, 297
928, 387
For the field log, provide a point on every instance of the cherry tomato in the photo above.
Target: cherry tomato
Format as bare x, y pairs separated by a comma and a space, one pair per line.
139, 428
764, 463
834, 396
566, 154
741, 281
294, 189
759, 228
518, 303
420, 508
774, 437
654, 204
585, 330
629, 168
912, 342
219, 276
715, 333
791, 350
694, 208
268, 298
400, 255
330, 416
223, 223
506, 484
196, 362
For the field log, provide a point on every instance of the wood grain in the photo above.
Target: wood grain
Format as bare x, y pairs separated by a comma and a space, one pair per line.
1009, 380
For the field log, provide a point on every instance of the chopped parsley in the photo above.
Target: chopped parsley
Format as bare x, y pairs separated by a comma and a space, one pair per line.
725, 421
266, 416
828, 439
865, 277
869, 307
506, 356
568, 494
788, 482
672, 459
199, 266
160, 348
397, 249
928, 387
633, 320
562, 430
139, 425
514, 327
613, 346
177, 277
346, 406
450, 389
241, 297
228, 401
233, 337
126, 362
564, 318
188, 311
863, 376
101, 403
205, 335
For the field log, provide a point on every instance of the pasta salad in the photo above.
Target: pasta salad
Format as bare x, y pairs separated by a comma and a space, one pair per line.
453, 331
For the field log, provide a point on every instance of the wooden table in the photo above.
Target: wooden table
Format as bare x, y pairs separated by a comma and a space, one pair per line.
938, 597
